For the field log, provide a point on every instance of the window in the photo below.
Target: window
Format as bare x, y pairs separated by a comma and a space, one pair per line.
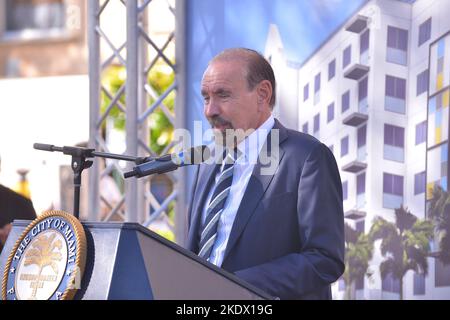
34, 16
346, 56
424, 32
419, 183
422, 82
360, 190
394, 142
306, 92
364, 42
442, 274
341, 284
330, 112
362, 89
317, 83
438, 167
397, 45
317, 88
362, 95
395, 94
394, 136
397, 38
392, 191
316, 126
361, 136
361, 183
305, 127
359, 283
390, 284
331, 69
421, 132
419, 284
395, 87
393, 184
360, 226
344, 146
345, 190
346, 101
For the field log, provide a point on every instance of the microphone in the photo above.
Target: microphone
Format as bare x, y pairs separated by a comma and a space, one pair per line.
170, 162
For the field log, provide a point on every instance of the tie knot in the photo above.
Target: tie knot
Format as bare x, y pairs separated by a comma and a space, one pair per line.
230, 156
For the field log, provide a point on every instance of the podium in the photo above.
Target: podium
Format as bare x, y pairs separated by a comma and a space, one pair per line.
128, 261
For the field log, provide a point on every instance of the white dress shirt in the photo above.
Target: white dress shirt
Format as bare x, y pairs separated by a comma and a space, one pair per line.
249, 150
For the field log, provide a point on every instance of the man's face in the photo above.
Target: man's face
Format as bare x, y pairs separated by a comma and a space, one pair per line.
228, 102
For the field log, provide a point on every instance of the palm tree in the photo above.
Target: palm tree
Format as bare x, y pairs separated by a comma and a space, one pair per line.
439, 212
358, 252
405, 244
44, 252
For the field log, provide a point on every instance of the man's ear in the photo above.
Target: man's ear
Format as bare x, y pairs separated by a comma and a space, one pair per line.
264, 92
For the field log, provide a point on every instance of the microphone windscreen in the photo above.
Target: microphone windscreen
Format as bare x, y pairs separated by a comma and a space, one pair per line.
43, 146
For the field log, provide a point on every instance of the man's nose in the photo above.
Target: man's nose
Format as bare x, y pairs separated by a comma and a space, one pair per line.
211, 109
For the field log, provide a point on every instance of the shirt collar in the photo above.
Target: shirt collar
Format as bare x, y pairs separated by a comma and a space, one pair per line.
250, 147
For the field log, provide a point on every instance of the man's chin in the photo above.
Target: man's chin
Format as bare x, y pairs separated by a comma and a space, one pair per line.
221, 132
228, 137
220, 136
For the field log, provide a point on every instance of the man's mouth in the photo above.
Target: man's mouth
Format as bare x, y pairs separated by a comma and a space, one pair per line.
222, 127
221, 124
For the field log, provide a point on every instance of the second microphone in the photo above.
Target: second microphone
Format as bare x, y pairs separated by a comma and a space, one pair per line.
170, 162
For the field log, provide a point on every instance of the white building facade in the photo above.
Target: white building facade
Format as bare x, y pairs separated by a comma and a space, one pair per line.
364, 93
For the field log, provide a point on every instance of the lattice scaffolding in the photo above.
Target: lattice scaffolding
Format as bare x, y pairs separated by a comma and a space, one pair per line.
135, 104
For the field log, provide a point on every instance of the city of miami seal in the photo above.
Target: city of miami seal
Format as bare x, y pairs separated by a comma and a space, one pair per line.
47, 262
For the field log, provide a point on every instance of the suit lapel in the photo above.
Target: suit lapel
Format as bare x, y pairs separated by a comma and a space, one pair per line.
256, 188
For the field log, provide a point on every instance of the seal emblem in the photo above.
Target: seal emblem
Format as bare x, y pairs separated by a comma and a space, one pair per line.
47, 262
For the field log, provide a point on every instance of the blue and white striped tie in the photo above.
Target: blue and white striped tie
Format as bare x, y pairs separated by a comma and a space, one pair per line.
215, 207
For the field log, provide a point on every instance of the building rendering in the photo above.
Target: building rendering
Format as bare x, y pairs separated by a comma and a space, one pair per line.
376, 92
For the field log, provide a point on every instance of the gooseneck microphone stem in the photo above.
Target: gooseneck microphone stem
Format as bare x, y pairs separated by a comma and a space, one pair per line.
79, 163
90, 153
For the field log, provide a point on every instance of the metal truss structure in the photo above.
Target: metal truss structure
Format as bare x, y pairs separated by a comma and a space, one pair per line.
137, 100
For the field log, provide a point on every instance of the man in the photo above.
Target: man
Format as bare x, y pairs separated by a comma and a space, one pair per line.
282, 231
12, 206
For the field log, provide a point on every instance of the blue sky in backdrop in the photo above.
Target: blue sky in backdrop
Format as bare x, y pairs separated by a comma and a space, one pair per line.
214, 25
303, 24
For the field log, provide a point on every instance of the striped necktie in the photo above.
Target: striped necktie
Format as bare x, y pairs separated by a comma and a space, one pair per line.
215, 207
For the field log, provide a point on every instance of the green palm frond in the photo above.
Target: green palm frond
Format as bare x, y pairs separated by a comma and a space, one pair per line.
388, 266
357, 257
404, 220
389, 235
439, 212
382, 229
405, 244
439, 200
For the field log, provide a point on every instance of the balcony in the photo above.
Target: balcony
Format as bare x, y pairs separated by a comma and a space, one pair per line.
354, 167
357, 24
355, 119
356, 71
354, 214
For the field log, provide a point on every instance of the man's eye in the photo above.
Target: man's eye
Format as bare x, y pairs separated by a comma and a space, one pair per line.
205, 99
224, 95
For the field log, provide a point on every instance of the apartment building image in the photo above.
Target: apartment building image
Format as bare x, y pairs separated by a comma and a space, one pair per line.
376, 92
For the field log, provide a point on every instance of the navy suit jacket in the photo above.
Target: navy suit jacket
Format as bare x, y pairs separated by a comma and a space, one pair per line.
288, 234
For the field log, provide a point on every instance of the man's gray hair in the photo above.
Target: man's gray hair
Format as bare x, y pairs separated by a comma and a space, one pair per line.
258, 68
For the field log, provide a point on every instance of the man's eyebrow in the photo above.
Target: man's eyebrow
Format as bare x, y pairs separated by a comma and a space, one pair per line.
215, 91
221, 90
